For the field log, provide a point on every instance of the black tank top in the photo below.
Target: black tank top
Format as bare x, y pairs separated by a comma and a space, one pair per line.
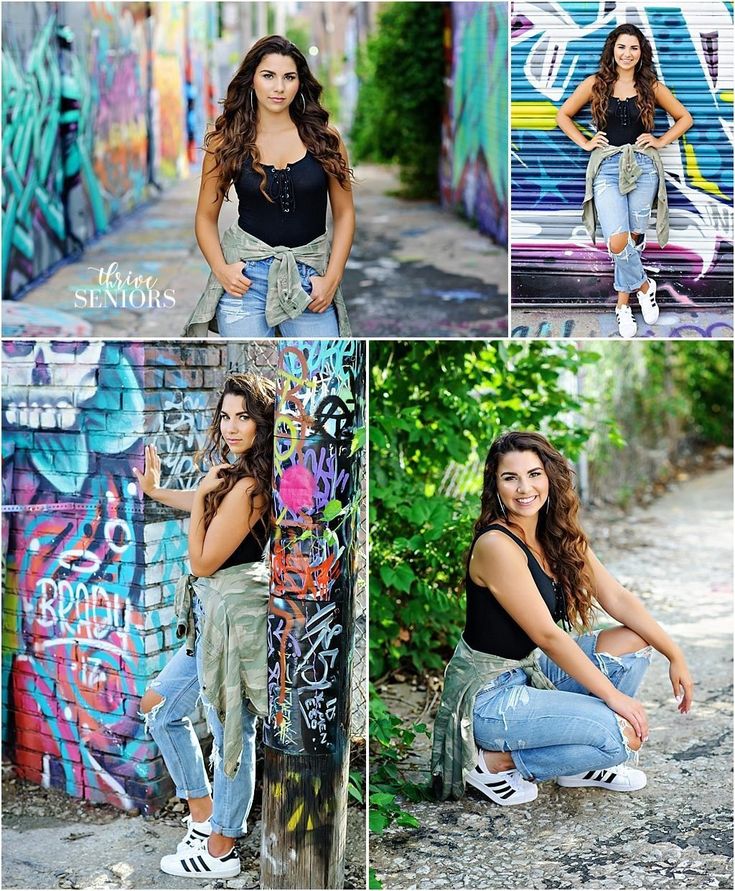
298, 213
623, 123
488, 627
251, 548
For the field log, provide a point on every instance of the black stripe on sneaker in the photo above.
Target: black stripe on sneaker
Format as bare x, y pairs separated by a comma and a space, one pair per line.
200, 834
204, 865
588, 776
183, 863
231, 856
508, 793
610, 778
498, 783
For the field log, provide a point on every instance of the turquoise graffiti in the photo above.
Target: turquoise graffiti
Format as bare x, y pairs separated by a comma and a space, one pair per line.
90, 568
554, 45
98, 111
474, 163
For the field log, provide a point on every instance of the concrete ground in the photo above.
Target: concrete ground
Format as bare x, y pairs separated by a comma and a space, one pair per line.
52, 841
588, 323
415, 270
676, 554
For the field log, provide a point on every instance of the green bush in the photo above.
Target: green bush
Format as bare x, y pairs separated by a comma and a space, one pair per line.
399, 107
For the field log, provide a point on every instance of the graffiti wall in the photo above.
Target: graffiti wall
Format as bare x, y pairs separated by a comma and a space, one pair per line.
555, 45
474, 157
98, 102
90, 567
319, 441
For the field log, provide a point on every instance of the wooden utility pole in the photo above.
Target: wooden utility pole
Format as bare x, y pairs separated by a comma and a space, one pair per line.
318, 454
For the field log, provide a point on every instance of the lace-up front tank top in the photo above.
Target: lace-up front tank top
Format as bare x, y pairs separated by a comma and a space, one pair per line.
623, 123
297, 213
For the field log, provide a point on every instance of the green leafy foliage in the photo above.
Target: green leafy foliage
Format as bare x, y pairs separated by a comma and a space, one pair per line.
434, 406
399, 107
391, 742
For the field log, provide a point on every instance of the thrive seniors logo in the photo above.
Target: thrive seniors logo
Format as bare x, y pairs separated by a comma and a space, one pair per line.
128, 292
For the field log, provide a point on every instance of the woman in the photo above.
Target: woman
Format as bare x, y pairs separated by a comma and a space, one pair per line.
512, 716
625, 176
273, 267
228, 588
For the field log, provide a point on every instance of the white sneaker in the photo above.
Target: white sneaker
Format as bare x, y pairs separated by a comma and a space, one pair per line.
649, 307
627, 326
196, 833
199, 863
507, 787
620, 778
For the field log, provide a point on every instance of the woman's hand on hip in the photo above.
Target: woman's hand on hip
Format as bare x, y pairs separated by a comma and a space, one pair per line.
150, 478
631, 710
599, 140
232, 279
322, 293
212, 480
682, 683
648, 140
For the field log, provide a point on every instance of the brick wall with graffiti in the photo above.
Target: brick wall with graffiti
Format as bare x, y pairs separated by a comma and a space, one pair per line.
90, 568
474, 157
100, 101
554, 46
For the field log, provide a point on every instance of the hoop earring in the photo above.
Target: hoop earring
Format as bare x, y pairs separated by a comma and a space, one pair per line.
252, 107
547, 502
303, 103
502, 507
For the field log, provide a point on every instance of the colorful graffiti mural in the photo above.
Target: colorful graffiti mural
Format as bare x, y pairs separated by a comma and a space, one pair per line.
319, 446
96, 103
90, 569
554, 45
474, 160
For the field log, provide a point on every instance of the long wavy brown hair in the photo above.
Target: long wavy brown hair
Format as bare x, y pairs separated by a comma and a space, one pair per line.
644, 78
562, 540
258, 394
232, 141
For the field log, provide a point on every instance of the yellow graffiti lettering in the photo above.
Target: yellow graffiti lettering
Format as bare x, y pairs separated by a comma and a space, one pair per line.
533, 115
694, 174
295, 817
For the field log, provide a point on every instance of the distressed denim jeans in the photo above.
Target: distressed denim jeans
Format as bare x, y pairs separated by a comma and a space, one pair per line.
245, 316
560, 732
170, 726
625, 213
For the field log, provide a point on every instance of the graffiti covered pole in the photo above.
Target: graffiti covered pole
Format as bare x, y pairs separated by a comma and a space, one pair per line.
319, 440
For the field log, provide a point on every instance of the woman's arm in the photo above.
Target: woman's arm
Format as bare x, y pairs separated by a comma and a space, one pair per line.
150, 482
235, 517
624, 606
206, 229
343, 231
682, 119
500, 565
574, 104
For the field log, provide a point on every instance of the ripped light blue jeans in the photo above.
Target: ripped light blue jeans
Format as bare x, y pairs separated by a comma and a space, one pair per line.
560, 732
245, 316
170, 726
629, 213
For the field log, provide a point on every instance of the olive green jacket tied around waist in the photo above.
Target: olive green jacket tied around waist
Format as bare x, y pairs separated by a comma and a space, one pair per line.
629, 172
454, 752
286, 299
233, 642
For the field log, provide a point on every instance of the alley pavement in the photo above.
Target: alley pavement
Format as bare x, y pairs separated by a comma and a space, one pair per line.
680, 322
676, 554
415, 270
50, 840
